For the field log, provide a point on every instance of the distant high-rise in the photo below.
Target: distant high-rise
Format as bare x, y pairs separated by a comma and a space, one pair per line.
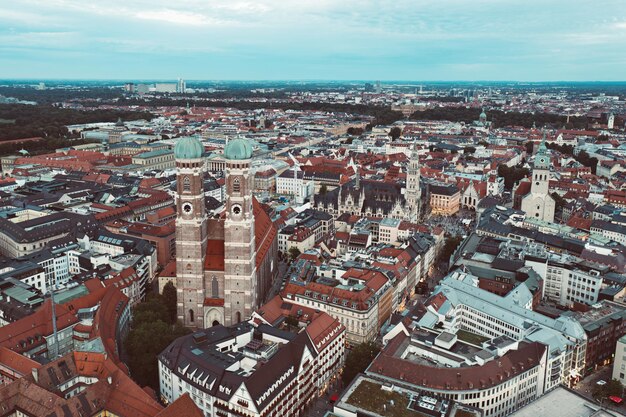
181, 86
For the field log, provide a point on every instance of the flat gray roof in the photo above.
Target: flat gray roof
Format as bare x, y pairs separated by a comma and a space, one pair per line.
563, 402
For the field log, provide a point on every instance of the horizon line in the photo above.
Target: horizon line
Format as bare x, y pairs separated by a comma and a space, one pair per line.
310, 80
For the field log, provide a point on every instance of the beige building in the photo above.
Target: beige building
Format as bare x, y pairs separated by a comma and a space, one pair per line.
155, 160
445, 200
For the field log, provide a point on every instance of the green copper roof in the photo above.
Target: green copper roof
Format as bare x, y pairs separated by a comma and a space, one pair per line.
238, 149
188, 148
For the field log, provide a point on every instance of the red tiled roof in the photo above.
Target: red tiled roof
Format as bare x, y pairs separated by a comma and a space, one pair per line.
580, 223
17, 362
214, 302
490, 374
27, 333
323, 329
182, 407
214, 259
264, 231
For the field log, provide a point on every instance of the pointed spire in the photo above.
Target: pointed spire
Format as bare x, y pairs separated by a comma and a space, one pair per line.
542, 146
357, 182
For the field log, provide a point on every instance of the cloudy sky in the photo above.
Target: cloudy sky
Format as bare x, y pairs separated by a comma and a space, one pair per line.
530, 40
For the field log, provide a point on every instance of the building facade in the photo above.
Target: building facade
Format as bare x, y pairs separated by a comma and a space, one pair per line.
224, 265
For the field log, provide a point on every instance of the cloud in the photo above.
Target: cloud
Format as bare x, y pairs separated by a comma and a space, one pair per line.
305, 38
178, 17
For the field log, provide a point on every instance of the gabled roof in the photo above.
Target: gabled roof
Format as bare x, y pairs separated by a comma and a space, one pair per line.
182, 407
264, 232
25, 334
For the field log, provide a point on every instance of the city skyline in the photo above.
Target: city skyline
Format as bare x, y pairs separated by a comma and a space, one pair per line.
322, 40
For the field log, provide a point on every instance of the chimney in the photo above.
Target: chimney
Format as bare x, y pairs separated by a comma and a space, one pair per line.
35, 373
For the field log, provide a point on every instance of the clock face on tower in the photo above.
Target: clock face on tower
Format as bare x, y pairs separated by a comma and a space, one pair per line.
542, 160
187, 208
236, 210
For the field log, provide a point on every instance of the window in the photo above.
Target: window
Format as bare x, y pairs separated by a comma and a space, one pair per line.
215, 288
236, 186
191, 315
186, 184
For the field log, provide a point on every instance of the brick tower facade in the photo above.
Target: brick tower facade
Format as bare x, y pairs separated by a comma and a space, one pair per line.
240, 281
191, 236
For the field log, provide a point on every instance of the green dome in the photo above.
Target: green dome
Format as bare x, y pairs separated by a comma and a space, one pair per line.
188, 148
238, 149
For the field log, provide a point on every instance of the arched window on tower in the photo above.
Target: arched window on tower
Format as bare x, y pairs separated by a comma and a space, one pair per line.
186, 185
238, 317
191, 315
215, 287
236, 186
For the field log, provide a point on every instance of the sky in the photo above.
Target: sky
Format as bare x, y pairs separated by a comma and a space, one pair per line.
524, 40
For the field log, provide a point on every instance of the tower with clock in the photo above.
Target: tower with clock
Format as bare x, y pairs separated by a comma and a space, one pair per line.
225, 262
191, 231
539, 203
240, 280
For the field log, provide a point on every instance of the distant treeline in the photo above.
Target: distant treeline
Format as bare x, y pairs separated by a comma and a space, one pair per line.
57, 95
500, 118
382, 115
18, 121
39, 147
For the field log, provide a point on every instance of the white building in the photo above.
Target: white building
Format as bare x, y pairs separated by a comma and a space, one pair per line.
497, 377
567, 279
619, 366
458, 304
252, 369
293, 183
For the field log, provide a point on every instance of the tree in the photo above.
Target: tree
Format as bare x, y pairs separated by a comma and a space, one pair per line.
530, 145
355, 131
611, 388
395, 132
358, 360
559, 201
294, 253
512, 175
469, 150
292, 321
584, 158
143, 345
151, 332
449, 247
169, 296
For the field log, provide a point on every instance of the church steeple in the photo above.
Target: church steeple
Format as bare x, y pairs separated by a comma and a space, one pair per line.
539, 203
412, 191
191, 236
240, 274
542, 157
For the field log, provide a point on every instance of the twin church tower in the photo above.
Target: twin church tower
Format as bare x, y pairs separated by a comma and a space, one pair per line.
224, 265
